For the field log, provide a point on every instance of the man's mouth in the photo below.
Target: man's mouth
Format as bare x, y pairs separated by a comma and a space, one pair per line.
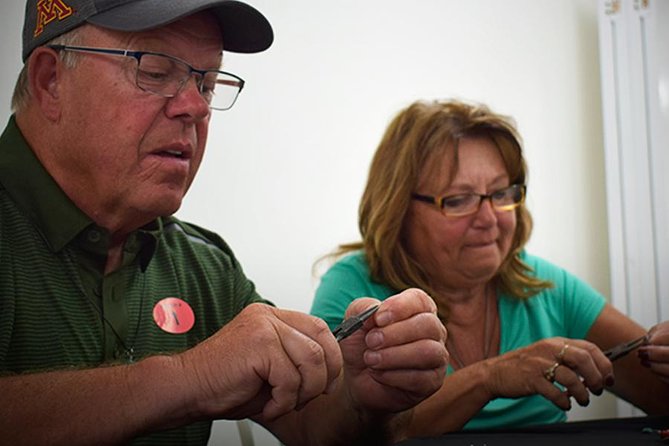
174, 153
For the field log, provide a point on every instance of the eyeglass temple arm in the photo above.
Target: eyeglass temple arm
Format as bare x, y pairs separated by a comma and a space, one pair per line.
426, 199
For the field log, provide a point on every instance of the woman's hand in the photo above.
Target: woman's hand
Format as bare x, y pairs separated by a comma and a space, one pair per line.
557, 368
655, 355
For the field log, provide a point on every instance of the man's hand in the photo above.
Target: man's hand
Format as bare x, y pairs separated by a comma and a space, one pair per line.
266, 362
399, 356
655, 355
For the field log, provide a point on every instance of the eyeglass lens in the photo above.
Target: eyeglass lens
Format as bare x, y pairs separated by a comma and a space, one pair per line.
502, 200
165, 76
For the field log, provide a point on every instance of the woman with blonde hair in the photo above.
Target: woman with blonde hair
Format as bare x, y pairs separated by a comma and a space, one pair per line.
444, 210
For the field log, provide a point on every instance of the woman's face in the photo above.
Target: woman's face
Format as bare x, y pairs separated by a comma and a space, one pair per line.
461, 252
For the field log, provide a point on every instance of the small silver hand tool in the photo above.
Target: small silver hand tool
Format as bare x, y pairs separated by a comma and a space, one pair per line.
352, 324
621, 350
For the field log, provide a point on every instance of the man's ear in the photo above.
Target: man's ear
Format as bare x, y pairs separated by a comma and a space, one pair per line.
44, 74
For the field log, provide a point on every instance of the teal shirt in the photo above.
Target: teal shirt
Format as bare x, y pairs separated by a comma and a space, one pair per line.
59, 310
569, 310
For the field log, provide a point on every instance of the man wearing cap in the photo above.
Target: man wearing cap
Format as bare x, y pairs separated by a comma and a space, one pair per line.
119, 322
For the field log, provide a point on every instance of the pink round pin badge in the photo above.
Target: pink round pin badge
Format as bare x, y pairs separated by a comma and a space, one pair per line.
173, 315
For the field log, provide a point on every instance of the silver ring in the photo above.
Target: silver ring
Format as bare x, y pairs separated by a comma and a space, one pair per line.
549, 373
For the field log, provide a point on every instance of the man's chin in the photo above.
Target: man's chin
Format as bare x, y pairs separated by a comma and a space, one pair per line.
164, 206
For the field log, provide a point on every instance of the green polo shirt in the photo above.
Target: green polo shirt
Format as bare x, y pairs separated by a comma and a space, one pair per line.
58, 309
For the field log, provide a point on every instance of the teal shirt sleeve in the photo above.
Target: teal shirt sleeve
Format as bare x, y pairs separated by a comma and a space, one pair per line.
345, 281
568, 309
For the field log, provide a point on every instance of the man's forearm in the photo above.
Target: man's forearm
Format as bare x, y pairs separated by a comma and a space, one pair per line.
108, 405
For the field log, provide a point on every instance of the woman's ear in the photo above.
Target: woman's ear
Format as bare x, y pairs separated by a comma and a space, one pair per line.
44, 75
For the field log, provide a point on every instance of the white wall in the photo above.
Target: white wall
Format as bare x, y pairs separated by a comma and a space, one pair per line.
286, 166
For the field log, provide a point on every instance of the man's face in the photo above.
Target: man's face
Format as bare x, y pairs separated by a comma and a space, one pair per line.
129, 156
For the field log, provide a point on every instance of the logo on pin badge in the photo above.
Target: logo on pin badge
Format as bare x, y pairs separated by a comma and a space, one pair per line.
173, 315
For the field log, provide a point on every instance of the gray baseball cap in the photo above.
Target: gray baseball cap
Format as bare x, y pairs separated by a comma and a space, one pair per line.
244, 28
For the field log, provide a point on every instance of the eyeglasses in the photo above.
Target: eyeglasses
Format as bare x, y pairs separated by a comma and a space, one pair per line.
166, 75
506, 199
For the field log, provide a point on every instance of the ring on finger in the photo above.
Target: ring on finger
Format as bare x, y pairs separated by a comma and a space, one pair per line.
560, 355
549, 373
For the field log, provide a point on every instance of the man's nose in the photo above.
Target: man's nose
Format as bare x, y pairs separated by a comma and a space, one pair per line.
189, 99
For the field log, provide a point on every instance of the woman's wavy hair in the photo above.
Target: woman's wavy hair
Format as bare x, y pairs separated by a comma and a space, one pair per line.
416, 136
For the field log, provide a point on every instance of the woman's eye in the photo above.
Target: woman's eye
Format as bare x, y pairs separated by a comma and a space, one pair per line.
457, 201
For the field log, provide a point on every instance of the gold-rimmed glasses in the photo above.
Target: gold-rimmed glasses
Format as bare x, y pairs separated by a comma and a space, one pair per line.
460, 205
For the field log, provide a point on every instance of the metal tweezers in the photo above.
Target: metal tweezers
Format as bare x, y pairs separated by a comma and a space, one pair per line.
352, 324
621, 350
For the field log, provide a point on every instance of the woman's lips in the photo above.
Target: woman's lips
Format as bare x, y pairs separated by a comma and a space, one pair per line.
481, 244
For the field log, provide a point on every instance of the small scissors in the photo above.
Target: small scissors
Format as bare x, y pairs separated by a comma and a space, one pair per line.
621, 350
352, 324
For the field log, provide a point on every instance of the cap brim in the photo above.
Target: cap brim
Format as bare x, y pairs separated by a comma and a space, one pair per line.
244, 28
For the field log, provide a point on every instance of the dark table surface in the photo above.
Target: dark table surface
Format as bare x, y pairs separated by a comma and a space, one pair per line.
638, 431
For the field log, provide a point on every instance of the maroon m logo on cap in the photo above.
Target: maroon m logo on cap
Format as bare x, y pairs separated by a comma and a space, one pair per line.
50, 10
